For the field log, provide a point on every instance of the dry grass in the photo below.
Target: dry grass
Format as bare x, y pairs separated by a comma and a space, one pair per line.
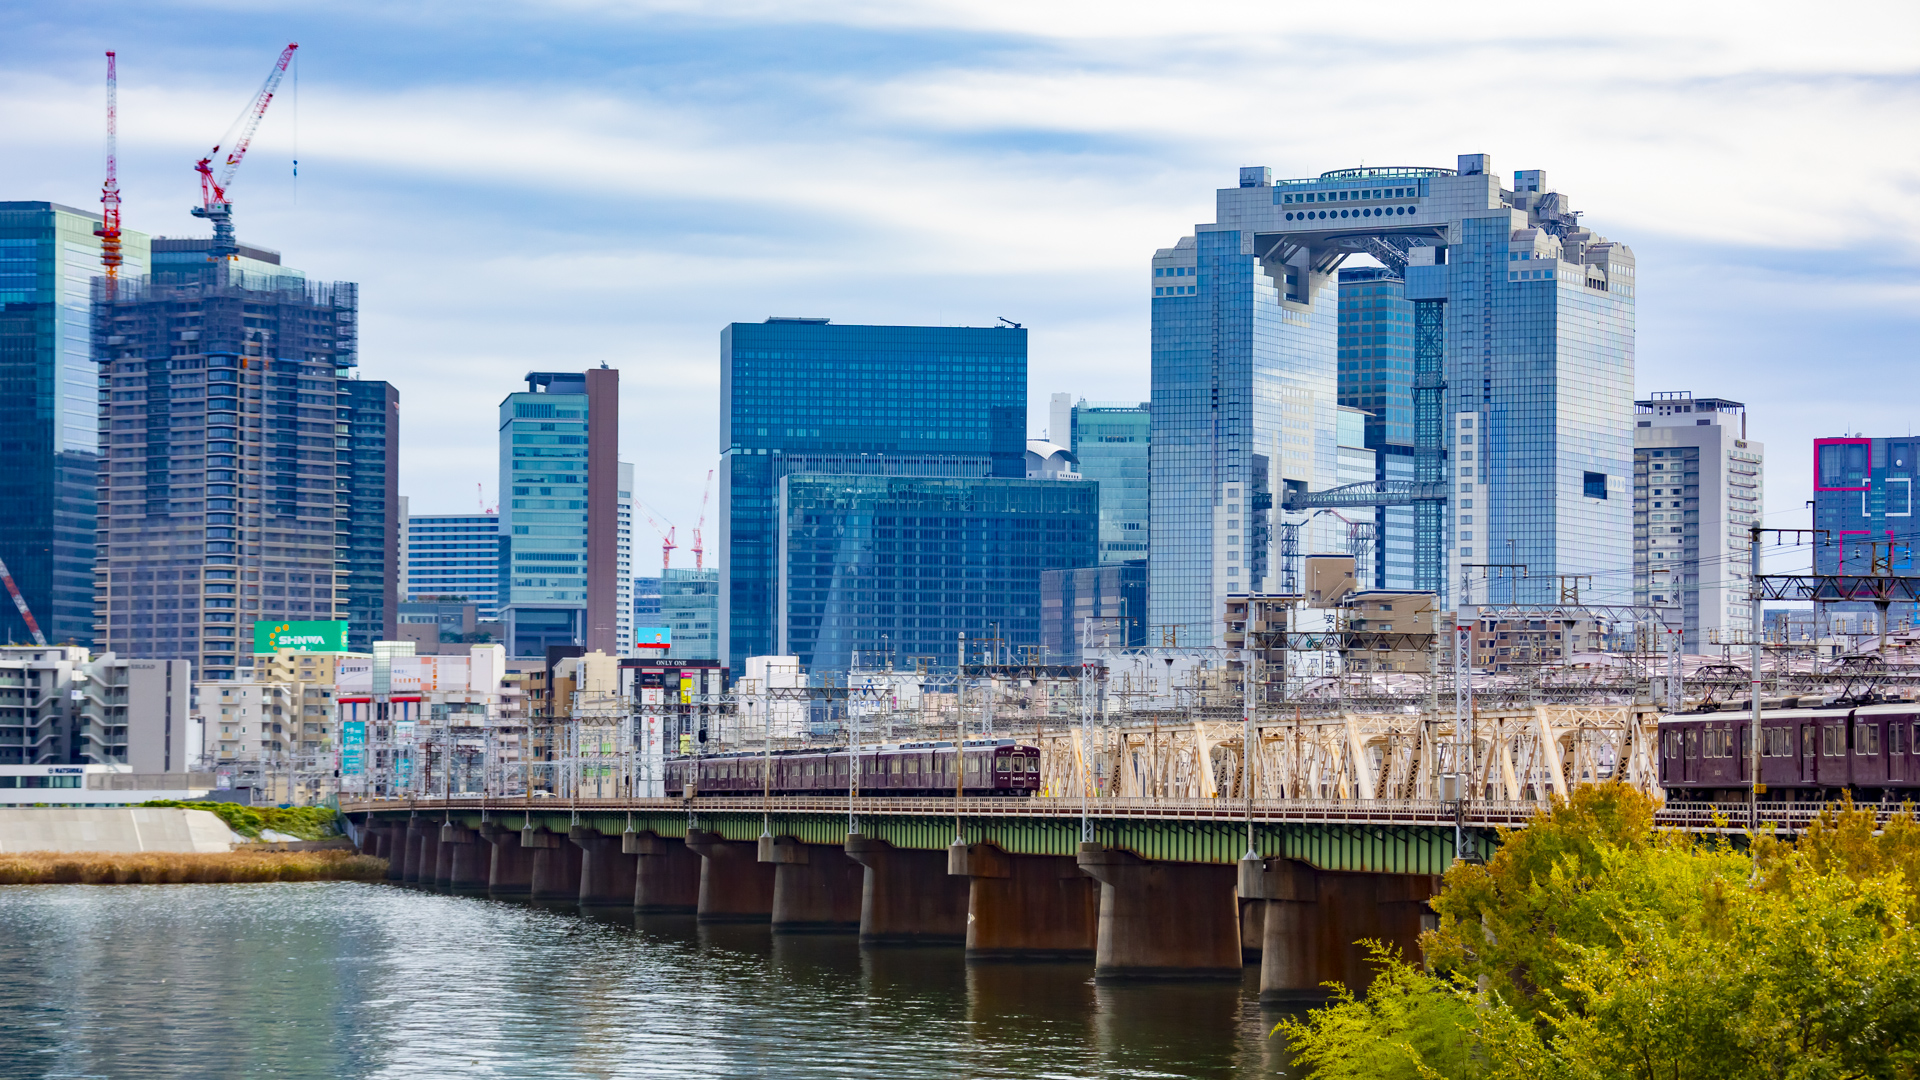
168, 868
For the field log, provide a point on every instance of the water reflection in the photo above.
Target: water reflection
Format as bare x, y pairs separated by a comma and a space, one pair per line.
348, 980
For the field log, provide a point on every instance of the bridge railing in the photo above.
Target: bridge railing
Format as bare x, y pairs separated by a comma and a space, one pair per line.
1729, 818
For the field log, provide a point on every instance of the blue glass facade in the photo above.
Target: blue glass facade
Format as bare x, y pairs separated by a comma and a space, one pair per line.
1245, 390
1539, 340
900, 567
1109, 601
1113, 444
1863, 498
1376, 374
49, 401
559, 512
1515, 328
803, 396
371, 547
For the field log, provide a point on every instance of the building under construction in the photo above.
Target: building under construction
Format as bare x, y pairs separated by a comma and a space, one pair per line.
224, 437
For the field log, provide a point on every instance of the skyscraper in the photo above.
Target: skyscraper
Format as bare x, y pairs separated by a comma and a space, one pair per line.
560, 512
371, 527
1697, 492
623, 565
49, 405
1522, 328
221, 494
455, 555
1113, 444
805, 397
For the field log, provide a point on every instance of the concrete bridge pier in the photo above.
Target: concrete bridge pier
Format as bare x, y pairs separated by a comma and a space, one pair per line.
510, 867
666, 874
442, 860
556, 865
471, 858
735, 886
388, 842
606, 870
416, 851
1163, 920
816, 889
906, 896
1314, 920
1026, 907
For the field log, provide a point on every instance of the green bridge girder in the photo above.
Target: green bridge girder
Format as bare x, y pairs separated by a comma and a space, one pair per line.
1366, 848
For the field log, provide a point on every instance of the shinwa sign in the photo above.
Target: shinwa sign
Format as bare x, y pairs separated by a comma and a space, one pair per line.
328, 636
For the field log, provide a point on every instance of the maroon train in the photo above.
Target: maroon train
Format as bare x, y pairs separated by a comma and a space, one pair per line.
991, 767
1806, 755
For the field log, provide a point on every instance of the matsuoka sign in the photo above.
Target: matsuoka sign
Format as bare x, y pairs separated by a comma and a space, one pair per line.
328, 636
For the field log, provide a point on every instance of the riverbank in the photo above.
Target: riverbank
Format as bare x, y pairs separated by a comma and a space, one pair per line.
182, 868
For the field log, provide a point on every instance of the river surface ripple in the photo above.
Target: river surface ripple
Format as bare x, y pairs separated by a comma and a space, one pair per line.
338, 980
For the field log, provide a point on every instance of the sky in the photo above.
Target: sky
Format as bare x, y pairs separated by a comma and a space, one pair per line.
553, 186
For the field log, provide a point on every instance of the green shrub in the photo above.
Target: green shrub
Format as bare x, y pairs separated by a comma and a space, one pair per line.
305, 822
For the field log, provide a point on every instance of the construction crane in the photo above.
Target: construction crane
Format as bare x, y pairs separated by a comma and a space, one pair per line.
666, 541
699, 551
215, 206
21, 603
109, 230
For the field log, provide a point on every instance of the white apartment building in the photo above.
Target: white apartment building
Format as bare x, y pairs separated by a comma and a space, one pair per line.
1697, 492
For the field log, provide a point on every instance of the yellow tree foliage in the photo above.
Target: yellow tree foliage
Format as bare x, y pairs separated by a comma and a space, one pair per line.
1591, 946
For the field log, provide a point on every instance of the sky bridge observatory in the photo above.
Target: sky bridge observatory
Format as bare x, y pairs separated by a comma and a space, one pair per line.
1520, 345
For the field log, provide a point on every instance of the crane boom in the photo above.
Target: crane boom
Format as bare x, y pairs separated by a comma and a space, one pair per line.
698, 551
214, 204
109, 230
21, 603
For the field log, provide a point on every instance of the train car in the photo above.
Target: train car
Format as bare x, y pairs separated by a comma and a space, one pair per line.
1806, 755
987, 767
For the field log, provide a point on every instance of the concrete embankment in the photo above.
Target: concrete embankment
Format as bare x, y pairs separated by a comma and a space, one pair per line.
113, 830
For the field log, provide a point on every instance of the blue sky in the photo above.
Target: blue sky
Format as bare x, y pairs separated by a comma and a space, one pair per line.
524, 186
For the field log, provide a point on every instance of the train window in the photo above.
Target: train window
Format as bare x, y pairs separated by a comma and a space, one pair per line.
1033, 763
1003, 765
1895, 732
894, 766
1777, 742
1693, 744
1866, 740
1833, 741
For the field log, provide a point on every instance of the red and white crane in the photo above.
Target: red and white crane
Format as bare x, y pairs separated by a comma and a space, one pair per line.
109, 230
20, 602
666, 539
215, 206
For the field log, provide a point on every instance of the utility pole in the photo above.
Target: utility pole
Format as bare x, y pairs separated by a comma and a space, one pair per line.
1753, 661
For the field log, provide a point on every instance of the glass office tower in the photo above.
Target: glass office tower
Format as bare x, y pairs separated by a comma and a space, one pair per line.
1376, 374
1113, 444
49, 403
1522, 328
880, 569
803, 396
370, 540
560, 512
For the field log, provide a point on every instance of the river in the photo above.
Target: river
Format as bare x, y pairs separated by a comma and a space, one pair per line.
345, 980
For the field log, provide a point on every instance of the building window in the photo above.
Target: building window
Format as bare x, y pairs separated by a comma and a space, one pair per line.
1594, 485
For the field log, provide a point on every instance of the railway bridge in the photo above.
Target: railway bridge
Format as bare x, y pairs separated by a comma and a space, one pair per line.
1144, 887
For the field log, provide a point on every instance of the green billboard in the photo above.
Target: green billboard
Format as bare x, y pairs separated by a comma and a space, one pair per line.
327, 636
